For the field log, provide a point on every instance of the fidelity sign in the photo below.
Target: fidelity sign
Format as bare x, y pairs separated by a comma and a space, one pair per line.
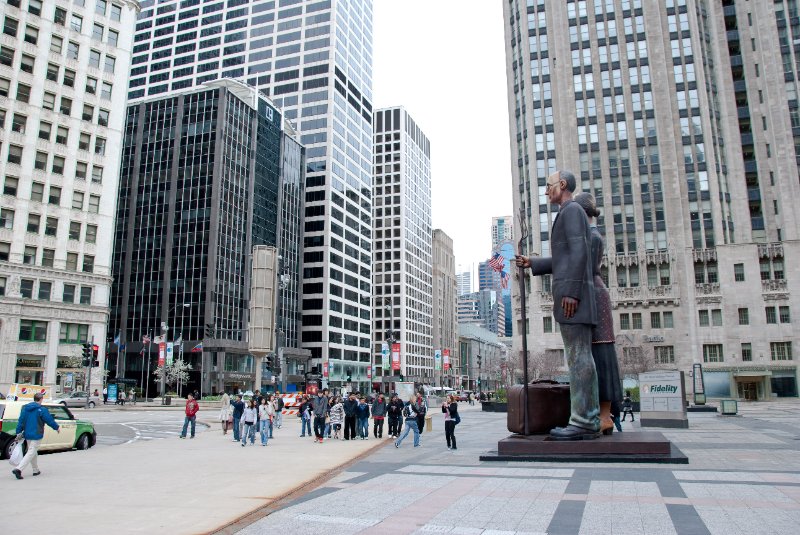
662, 399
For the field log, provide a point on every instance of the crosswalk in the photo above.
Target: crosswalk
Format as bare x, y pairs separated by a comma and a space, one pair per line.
113, 434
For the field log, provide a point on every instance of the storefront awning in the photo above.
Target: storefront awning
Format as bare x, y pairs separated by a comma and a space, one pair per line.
753, 373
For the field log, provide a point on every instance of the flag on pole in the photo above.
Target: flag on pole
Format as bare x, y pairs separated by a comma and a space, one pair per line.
179, 341
504, 279
116, 340
198, 348
497, 262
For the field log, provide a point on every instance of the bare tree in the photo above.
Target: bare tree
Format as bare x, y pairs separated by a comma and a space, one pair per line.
634, 358
541, 365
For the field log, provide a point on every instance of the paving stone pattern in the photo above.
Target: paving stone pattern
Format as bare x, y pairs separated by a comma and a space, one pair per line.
743, 478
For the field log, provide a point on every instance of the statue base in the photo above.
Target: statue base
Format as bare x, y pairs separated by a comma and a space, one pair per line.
630, 447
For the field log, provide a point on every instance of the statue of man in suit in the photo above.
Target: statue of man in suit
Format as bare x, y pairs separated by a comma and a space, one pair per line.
573, 303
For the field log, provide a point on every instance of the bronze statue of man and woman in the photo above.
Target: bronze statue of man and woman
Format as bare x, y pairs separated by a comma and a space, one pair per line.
582, 307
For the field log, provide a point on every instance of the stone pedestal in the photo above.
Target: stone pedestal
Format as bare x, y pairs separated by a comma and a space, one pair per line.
630, 447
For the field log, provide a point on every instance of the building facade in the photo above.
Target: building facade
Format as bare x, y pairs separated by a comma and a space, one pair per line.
675, 122
481, 359
63, 78
484, 308
314, 60
502, 230
445, 297
402, 278
202, 183
464, 281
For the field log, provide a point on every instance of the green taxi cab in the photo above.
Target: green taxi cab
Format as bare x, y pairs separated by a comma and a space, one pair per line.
75, 434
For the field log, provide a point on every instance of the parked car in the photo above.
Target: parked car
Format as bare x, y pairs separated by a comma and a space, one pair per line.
75, 434
77, 399
462, 396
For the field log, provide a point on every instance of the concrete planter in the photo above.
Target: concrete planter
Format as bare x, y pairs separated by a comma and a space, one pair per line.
493, 406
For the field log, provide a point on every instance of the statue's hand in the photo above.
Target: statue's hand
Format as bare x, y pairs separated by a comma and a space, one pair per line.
522, 261
569, 305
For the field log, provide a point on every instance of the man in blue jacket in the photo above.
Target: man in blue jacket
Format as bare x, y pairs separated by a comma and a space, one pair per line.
31, 422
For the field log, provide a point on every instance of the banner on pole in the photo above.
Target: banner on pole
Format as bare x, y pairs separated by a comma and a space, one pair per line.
437, 359
162, 353
446, 358
385, 356
170, 347
395, 356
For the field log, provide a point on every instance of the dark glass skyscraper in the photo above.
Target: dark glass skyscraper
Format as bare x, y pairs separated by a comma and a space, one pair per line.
200, 186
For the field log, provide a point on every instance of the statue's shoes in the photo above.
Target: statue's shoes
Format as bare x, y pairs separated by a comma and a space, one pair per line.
572, 432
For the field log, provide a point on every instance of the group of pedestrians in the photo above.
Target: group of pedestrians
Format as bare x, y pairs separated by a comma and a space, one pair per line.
260, 416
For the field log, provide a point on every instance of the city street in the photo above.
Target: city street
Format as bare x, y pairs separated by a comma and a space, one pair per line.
116, 427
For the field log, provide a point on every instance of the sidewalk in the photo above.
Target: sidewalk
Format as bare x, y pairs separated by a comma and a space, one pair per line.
743, 478
177, 486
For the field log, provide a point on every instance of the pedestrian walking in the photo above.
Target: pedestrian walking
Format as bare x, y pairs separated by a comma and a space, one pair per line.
362, 416
320, 412
350, 406
225, 415
265, 414
132, 396
30, 426
121, 398
272, 412
395, 412
471, 399
451, 419
250, 418
410, 415
328, 426
627, 406
278, 410
337, 417
105, 395
306, 417
379, 407
191, 415
421, 409
238, 411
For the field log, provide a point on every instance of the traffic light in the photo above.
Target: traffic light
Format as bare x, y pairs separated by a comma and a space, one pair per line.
95, 360
479, 361
86, 354
401, 377
210, 330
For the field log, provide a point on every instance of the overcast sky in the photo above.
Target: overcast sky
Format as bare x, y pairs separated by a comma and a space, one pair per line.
443, 60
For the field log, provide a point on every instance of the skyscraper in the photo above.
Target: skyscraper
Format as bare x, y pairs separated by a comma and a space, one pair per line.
679, 117
207, 174
502, 230
445, 296
403, 243
314, 59
464, 281
63, 77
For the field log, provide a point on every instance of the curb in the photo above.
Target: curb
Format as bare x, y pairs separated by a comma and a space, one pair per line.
278, 503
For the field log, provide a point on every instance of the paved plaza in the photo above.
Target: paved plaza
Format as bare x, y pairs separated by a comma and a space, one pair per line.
743, 477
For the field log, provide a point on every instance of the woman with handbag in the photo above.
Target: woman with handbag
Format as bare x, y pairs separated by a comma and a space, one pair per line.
225, 415
451, 419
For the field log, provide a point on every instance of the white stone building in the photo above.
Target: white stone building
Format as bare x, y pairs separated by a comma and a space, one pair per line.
63, 88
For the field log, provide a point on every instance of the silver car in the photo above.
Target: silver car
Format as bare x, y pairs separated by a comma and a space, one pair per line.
77, 399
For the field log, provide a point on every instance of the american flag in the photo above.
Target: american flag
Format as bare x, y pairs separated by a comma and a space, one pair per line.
504, 279
497, 262
146, 339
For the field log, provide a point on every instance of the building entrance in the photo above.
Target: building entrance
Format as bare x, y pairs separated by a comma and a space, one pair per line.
748, 391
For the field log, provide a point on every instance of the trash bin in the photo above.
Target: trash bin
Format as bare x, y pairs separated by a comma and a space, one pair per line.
729, 407
168, 400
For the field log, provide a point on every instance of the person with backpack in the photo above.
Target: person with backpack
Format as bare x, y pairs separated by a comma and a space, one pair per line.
410, 414
379, 407
32, 419
451, 419
350, 406
421, 408
395, 412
